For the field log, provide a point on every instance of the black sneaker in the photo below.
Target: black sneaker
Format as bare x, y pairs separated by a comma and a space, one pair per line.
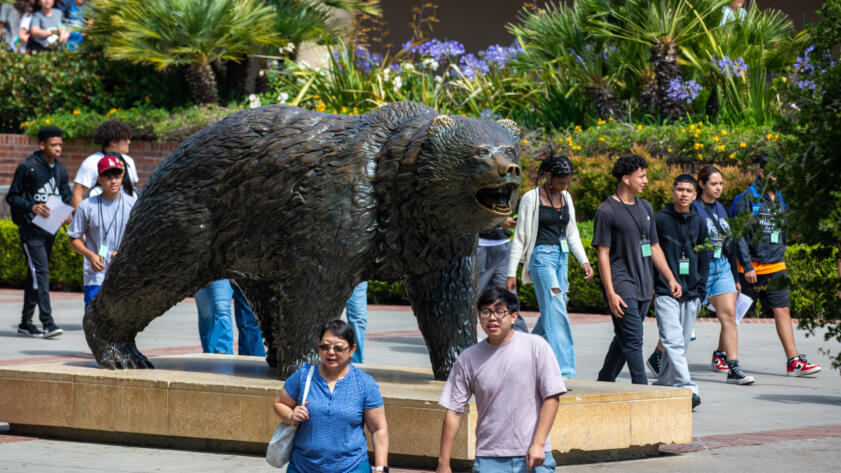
29, 330
696, 400
737, 376
653, 362
51, 330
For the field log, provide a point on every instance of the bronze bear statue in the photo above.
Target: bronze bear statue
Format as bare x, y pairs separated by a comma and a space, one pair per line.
298, 207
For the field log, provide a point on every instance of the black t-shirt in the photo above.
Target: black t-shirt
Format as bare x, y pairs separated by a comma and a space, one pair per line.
551, 225
623, 227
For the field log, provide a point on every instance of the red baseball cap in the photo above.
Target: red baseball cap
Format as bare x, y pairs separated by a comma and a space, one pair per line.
109, 162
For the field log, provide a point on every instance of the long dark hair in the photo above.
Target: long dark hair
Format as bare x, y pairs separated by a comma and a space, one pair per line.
703, 176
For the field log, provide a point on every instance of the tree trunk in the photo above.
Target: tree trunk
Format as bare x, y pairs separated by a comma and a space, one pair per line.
666, 70
713, 107
605, 101
202, 83
649, 97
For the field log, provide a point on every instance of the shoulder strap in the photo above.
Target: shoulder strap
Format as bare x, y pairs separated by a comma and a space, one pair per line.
307, 386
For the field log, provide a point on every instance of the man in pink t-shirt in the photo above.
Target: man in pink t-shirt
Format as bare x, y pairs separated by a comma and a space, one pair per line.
512, 433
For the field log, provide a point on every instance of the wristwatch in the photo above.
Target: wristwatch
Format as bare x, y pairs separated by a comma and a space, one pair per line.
384, 469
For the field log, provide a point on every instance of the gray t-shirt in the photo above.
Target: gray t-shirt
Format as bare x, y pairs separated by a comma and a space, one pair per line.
623, 228
49, 23
10, 17
510, 382
102, 221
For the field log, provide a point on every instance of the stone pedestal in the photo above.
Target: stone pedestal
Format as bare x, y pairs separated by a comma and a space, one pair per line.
224, 402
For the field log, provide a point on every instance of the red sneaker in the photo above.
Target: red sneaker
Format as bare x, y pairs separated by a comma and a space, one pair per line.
800, 367
720, 362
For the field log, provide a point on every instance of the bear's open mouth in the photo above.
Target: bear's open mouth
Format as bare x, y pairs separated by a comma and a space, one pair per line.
497, 199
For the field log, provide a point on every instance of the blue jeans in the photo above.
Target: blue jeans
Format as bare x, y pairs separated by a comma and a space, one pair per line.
548, 270
627, 344
90, 291
215, 330
357, 318
511, 465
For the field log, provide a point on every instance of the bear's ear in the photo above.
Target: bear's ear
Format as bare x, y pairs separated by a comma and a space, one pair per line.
441, 128
511, 126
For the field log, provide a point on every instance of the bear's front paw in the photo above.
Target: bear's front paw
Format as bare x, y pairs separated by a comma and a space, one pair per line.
122, 355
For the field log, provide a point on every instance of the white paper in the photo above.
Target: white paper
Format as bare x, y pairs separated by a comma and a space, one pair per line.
58, 212
742, 305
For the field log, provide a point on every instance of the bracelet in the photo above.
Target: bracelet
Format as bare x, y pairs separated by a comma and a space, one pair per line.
382, 468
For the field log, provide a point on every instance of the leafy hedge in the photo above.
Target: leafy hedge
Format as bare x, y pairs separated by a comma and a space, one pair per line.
65, 264
40, 84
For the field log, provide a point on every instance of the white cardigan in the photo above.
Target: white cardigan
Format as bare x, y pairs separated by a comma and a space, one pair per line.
526, 234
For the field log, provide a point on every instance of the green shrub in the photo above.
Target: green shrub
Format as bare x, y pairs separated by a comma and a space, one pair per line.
65, 264
40, 84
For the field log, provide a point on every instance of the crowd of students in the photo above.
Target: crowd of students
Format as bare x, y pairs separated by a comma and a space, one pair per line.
32, 26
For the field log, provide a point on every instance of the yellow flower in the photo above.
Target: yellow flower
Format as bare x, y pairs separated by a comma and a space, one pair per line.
47, 121
700, 155
696, 135
355, 110
601, 139
715, 138
692, 127
76, 112
724, 132
699, 145
743, 145
610, 119
524, 142
785, 79
670, 150
732, 155
721, 147
639, 127
700, 123
683, 130
776, 137
578, 148
316, 97
146, 99
769, 136
600, 122
344, 109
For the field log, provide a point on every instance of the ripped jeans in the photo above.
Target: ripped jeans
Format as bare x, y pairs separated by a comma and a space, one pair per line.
548, 270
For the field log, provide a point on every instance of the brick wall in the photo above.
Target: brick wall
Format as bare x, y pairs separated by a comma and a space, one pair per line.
15, 148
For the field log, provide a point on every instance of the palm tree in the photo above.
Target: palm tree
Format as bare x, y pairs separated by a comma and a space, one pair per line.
189, 33
664, 26
309, 20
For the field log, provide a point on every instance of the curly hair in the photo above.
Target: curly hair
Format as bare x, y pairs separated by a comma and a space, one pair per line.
628, 164
557, 166
111, 131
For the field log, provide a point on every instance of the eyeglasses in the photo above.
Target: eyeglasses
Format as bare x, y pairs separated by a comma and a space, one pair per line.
486, 313
335, 348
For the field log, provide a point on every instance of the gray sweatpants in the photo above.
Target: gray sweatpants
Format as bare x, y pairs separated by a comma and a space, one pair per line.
675, 320
492, 264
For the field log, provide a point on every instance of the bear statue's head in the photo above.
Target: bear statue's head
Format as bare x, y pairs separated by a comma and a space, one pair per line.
469, 172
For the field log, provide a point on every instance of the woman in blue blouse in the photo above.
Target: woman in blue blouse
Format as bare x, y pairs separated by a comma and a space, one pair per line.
342, 400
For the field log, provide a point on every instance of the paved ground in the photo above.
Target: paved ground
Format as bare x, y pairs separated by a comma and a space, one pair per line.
780, 424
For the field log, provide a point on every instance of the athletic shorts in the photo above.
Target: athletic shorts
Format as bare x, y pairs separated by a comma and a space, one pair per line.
769, 290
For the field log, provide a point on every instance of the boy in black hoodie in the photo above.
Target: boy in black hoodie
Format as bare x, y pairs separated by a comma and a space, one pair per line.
680, 230
761, 262
37, 178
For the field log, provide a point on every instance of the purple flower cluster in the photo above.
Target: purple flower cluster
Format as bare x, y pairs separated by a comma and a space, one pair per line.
730, 67
488, 114
471, 65
500, 56
806, 84
365, 60
804, 65
680, 91
436, 49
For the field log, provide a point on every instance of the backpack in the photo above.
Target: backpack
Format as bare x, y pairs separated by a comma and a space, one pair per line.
758, 201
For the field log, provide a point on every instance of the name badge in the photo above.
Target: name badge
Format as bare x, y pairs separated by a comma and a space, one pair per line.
755, 208
645, 245
103, 251
775, 237
683, 266
717, 252
564, 246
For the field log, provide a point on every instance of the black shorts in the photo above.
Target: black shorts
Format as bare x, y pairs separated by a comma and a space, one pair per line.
771, 290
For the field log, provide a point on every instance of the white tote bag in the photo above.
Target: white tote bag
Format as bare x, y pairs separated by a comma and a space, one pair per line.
280, 446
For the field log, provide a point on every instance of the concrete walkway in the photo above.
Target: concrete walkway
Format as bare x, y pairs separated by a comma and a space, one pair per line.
779, 424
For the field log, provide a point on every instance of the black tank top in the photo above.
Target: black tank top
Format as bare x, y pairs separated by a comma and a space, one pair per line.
551, 225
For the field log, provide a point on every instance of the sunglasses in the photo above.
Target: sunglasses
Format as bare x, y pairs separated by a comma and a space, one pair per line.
338, 349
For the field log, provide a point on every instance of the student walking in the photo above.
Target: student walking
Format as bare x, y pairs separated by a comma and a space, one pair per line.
114, 137
625, 235
492, 261
546, 234
516, 382
38, 177
722, 288
761, 253
680, 231
101, 220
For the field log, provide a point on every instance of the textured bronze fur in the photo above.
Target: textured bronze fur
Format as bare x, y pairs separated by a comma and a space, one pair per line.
298, 207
